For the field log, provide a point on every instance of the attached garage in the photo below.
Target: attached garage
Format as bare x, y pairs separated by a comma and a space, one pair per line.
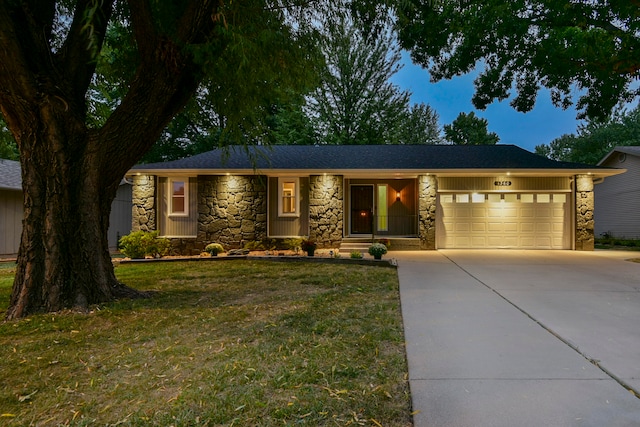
504, 212
504, 220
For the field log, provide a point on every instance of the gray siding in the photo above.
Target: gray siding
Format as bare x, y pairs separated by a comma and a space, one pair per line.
10, 221
178, 226
11, 214
120, 217
617, 200
288, 226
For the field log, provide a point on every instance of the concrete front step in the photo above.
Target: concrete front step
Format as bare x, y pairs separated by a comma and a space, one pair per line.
362, 244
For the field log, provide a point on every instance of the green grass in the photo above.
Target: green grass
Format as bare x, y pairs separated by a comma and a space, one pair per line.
609, 242
243, 343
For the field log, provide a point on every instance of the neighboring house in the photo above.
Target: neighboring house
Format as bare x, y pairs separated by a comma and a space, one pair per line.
11, 211
10, 206
437, 196
617, 209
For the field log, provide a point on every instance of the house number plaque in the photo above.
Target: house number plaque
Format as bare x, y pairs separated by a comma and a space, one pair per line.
502, 183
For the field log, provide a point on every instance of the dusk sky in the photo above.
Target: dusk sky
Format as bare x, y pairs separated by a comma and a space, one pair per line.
450, 97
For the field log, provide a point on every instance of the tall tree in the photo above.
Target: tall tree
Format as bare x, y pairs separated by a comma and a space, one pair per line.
469, 129
586, 47
73, 157
595, 139
355, 102
420, 126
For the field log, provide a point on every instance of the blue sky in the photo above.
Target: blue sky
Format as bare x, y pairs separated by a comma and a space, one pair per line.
450, 97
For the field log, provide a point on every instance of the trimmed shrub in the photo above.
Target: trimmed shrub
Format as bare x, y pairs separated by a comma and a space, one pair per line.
139, 244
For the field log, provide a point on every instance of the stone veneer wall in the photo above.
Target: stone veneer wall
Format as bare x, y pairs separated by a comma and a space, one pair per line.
584, 213
232, 210
326, 210
143, 196
427, 199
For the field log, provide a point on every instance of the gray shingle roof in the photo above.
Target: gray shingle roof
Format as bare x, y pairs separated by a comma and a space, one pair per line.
10, 175
363, 157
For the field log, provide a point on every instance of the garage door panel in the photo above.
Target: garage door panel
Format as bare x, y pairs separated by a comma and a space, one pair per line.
494, 227
479, 227
510, 227
479, 213
507, 220
479, 241
464, 212
462, 227
527, 227
527, 212
543, 227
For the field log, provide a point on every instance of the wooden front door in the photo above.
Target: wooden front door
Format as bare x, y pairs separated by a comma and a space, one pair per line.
361, 209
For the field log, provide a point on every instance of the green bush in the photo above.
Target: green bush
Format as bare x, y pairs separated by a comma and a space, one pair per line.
214, 249
139, 244
293, 243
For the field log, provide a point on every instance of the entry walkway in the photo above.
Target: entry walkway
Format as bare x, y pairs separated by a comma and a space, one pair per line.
521, 338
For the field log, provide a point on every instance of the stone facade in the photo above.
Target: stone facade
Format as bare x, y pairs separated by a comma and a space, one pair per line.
584, 213
326, 210
143, 196
427, 199
232, 210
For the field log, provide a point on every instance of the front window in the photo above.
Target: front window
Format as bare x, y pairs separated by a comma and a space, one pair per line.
179, 197
288, 198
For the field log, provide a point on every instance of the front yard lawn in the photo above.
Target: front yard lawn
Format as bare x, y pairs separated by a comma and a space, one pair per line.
241, 343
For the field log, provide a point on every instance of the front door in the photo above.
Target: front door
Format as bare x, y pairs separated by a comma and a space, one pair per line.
362, 209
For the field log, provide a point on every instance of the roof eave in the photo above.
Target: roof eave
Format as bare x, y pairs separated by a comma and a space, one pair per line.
379, 173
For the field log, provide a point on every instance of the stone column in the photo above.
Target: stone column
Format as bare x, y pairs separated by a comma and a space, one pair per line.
232, 210
427, 199
584, 213
143, 195
326, 210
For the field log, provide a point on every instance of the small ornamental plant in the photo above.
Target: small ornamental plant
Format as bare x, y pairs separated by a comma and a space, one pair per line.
214, 249
377, 250
309, 246
356, 254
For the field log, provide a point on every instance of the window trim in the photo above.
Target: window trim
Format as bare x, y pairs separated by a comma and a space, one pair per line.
281, 182
171, 181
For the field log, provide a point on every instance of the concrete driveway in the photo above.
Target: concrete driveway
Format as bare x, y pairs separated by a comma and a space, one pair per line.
522, 338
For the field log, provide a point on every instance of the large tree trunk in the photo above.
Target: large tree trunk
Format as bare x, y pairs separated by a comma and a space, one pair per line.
71, 172
63, 260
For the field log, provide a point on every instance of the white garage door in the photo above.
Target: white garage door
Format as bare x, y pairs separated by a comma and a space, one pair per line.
526, 221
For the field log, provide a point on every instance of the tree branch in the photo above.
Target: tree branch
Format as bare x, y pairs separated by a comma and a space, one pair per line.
76, 60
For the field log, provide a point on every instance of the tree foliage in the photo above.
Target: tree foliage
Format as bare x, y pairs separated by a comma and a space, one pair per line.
355, 102
469, 129
585, 47
595, 139
8, 147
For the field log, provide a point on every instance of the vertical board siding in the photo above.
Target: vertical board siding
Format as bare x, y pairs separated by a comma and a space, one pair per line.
288, 226
178, 226
11, 214
496, 183
617, 200
120, 217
